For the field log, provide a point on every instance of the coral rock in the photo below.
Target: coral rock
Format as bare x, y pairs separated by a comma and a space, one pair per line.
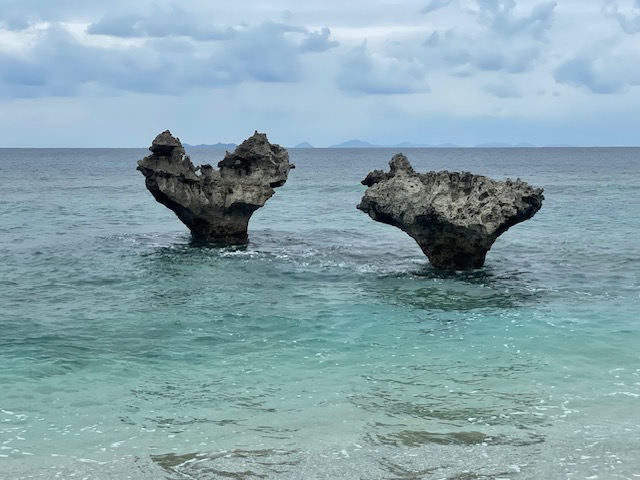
215, 205
453, 216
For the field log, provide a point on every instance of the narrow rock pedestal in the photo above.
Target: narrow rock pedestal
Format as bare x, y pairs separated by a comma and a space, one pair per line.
215, 205
453, 216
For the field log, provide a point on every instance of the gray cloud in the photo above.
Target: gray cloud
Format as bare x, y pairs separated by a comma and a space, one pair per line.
265, 53
489, 61
503, 90
509, 42
629, 22
47, 71
33, 11
500, 17
432, 40
14, 23
123, 25
607, 74
434, 5
361, 73
522, 59
581, 72
59, 65
464, 57
160, 23
178, 22
318, 41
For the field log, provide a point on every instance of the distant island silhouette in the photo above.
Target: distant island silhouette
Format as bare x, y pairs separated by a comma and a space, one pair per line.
356, 143
229, 146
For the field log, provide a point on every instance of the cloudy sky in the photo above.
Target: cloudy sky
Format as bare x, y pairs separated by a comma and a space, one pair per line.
114, 74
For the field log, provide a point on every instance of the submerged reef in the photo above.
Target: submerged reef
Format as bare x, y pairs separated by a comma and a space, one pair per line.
453, 216
215, 205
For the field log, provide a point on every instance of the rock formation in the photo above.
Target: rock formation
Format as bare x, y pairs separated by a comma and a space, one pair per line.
454, 216
215, 205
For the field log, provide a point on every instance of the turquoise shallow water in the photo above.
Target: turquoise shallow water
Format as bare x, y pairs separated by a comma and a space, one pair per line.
328, 348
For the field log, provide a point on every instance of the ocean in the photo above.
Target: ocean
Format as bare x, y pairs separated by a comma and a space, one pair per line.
328, 348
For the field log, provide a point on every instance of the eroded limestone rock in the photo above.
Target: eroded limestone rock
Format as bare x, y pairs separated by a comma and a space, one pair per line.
215, 205
453, 216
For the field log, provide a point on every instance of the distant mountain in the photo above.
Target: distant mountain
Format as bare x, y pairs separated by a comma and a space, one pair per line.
410, 145
423, 145
228, 146
355, 144
504, 145
362, 144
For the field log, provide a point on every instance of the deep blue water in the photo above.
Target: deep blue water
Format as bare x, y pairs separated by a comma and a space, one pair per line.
328, 348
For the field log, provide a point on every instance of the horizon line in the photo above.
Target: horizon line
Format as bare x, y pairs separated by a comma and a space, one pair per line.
490, 145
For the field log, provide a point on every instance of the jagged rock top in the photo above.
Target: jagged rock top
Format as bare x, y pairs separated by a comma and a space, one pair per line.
399, 163
257, 160
164, 144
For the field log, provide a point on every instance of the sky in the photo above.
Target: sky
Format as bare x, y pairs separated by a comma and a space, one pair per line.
86, 73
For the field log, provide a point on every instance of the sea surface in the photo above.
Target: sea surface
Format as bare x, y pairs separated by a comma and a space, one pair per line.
328, 348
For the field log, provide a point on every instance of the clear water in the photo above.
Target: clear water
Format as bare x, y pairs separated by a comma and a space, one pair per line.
328, 348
